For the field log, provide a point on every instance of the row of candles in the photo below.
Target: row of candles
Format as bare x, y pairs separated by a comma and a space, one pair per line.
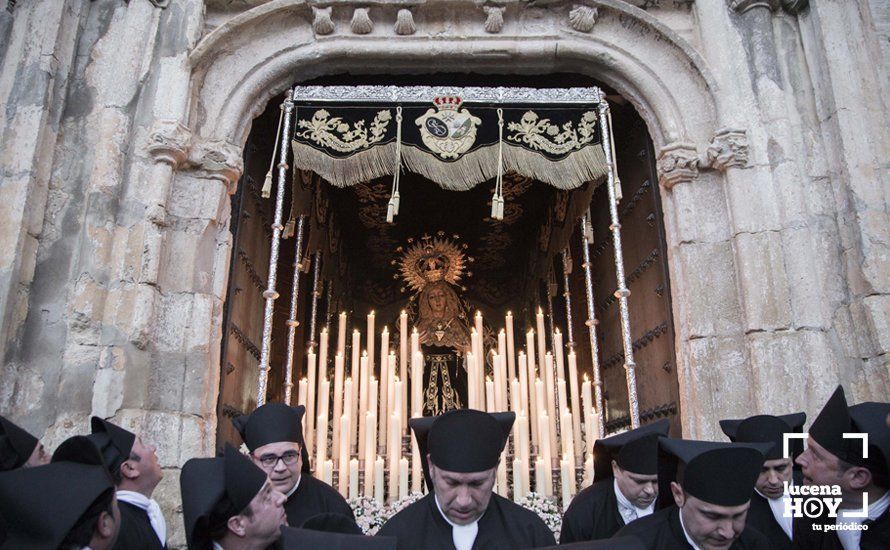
369, 415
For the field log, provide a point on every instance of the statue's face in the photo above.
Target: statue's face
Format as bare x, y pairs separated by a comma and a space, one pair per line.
436, 298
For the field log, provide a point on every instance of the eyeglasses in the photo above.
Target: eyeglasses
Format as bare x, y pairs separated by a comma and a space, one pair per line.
289, 458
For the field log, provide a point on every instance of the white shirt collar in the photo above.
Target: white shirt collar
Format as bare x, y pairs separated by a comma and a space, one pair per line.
628, 510
777, 507
294, 488
152, 509
849, 538
463, 536
685, 532
217, 546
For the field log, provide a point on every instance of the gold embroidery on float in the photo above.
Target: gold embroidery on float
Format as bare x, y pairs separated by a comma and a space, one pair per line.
542, 135
340, 136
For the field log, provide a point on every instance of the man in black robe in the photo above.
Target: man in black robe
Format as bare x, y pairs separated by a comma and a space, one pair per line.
711, 485
320, 537
229, 504
462, 449
274, 435
772, 489
18, 448
135, 470
625, 470
834, 461
66, 504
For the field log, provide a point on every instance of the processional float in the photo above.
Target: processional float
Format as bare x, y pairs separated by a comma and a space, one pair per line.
457, 138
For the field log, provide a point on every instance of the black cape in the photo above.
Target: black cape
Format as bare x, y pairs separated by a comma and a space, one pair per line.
593, 514
314, 497
806, 538
504, 526
136, 532
662, 531
760, 517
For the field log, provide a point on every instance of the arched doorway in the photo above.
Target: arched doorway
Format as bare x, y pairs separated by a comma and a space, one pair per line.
356, 273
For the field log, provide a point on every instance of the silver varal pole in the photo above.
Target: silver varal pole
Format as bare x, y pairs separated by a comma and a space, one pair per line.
566, 269
316, 294
292, 321
270, 294
591, 329
622, 292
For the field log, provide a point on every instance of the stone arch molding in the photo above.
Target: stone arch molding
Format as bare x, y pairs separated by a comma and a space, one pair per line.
256, 55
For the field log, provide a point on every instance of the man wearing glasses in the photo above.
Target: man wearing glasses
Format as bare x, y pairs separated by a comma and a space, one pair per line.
274, 435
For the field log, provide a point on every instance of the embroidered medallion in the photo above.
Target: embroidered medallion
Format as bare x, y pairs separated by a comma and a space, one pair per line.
448, 131
336, 134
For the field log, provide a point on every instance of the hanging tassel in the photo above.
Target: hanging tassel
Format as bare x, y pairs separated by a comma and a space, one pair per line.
266, 192
497, 200
392, 208
588, 228
618, 193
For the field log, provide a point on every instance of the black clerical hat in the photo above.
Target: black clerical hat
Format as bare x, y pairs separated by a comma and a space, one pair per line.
298, 539
871, 418
80, 449
634, 450
765, 428
41, 505
830, 426
614, 543
332, 523
717, 473
215, 489
461, 440
114, 442
16, 445
272, 423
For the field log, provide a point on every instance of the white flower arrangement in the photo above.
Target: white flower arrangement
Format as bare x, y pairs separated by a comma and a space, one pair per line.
370, 515
400, 505
547, 510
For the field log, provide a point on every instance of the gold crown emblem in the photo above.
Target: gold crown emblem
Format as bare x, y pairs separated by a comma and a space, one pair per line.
448, 102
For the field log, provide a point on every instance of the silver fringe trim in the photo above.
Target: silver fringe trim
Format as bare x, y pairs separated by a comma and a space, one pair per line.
471, 169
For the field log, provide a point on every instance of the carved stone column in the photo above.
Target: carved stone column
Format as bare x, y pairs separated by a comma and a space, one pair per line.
677, 163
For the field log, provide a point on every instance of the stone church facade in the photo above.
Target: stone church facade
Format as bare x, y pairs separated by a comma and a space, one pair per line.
124, 122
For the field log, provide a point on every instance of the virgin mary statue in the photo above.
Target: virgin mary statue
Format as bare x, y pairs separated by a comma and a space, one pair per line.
432, 268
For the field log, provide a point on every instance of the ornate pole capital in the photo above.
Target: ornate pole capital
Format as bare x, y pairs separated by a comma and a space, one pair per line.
168, 142
677, 163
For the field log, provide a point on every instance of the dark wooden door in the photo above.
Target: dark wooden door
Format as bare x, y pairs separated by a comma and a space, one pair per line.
646, 273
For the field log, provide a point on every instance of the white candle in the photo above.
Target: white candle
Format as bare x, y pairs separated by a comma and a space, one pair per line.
568, 444
588, 471
511, 351
502, 344
353, 478
416, 467
533, 406
343, 458
385, 374
541, 475
562, 405
338, 403
544, 452
417, 383
515, 399
310, 400
518, 480
301, 400
478, 321
576, 405
363, 404
372, 409
523, 383
378, 479
403, 359
566, 477
549, 385
415, 341
321, 432
371, 347
542, 341
370, 454
328, 475
355, 373
403, 478
323, 355
348, 410
524, 456
391, 403
503, 488
539, 398
500, 383
559, 355
590, 431
471, 386
489, 395
341, 334
395, 443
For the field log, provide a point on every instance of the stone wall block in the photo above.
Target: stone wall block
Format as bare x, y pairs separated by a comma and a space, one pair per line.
763, 281
22, 139
870, 380
204, 323
699, 210
716, 384
193, 197
173, 322
13, 194
201, 384
108, 386
221, 264
876, 248
86, 310
163, 430
191, 252
791, 371
815, 276
76, 378
753, 204
709, 293
151, 253
877, 309
198, 437
165, 378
